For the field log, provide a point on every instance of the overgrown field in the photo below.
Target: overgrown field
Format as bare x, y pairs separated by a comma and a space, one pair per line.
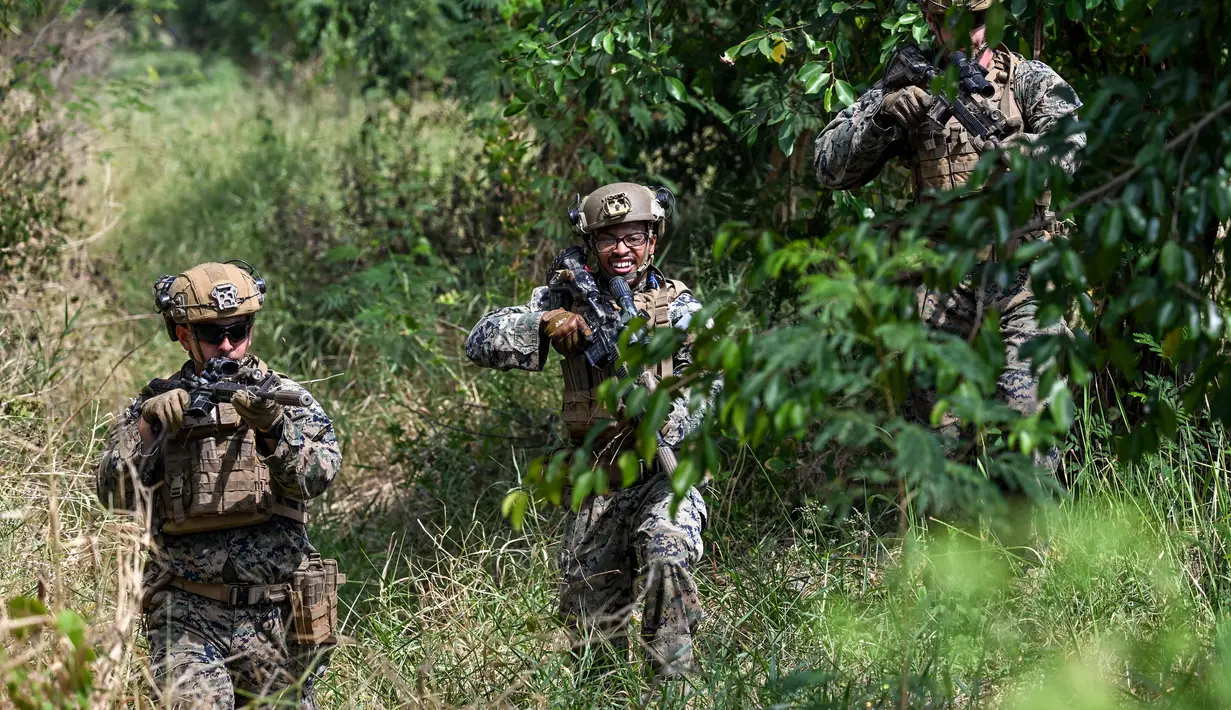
1115, 598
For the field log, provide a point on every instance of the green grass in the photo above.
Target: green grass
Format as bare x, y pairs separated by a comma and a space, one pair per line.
1118, 604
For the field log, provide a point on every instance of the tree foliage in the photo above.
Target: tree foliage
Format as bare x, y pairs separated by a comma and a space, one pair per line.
812, 291
629, 90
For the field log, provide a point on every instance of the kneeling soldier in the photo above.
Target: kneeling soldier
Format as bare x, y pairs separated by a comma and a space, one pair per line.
624, 548
237, 602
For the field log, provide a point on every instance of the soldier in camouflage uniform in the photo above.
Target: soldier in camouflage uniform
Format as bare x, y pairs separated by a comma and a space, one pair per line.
231, 567
622, 549
853, 148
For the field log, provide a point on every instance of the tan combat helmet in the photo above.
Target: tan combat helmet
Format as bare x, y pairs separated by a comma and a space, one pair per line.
622, 202
938, 7
208, 292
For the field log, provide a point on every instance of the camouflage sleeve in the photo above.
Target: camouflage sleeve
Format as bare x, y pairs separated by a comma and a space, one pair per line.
307, 456
123, 463
1048, 103
511, 338
853, 148
683, 420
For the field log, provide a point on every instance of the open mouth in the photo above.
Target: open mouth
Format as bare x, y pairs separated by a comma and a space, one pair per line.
623, 266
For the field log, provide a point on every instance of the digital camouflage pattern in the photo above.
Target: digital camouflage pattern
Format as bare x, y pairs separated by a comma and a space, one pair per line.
208, 654
620, 550
956, 312
852, 150
853, 147
303, 463
624, 551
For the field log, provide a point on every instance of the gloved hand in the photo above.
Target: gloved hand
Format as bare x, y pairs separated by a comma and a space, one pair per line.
906, 106
567, 331
166, 410
260, 414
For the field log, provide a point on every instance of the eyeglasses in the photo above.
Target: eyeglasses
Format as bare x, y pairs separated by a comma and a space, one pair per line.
214, 334
632, 241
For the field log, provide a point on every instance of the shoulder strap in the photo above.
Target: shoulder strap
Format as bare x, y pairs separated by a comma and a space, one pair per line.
1008, 97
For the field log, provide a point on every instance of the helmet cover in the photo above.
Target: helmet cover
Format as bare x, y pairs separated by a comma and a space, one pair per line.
208, 292
618, 203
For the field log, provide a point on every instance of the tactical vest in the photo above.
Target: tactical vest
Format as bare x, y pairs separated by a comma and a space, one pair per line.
581, 409
214, 479
944, 159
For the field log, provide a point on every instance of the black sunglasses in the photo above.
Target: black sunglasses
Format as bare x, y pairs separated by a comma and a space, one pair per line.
214, 334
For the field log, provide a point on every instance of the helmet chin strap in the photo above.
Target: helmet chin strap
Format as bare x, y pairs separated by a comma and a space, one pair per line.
194, 348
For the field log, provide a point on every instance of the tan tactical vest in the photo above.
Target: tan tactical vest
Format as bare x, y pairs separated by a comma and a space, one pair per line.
214, 479
945, 159
581, 408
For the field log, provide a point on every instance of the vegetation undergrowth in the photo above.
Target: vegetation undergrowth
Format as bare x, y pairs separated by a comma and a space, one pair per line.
367, 216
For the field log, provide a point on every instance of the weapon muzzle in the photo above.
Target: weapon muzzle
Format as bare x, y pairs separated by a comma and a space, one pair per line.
292, 398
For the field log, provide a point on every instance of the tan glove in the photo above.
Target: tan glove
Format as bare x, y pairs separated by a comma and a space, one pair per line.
166, 410
906, 107
260, 414
568, 331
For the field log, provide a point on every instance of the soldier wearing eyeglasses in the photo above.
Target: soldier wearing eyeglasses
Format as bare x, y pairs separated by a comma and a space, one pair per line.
625, 547
231, 575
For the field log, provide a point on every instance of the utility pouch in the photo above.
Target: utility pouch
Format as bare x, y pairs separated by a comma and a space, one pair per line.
314, 601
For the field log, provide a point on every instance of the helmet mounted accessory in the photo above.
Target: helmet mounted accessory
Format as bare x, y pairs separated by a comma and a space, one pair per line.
205, 293
623, 202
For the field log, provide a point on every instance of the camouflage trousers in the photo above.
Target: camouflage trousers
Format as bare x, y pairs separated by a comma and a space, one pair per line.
208, 654
957, 312
623, 551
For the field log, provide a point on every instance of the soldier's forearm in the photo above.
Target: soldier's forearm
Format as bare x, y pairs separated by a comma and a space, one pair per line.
304, 462
509, 339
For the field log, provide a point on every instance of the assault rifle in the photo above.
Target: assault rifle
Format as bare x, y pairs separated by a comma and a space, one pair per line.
909, 67
572, 279
218, 383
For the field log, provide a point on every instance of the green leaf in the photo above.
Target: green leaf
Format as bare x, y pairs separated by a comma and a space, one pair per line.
813, 46
513, 508
919, 455
994, 16
630, 468
72, 626
513, 109
786, 136
609, 43
675, 87
813, 76
24, 607
1171, 259
845, 93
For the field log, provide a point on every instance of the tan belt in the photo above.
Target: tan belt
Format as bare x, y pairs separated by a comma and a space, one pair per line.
235, 594
288, 508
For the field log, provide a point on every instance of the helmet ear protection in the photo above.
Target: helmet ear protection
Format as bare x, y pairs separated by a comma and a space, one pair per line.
162, 302
256, 275
665, 199
576, 217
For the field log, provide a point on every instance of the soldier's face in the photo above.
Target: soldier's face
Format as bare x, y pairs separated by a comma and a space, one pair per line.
235, 349
616, 257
